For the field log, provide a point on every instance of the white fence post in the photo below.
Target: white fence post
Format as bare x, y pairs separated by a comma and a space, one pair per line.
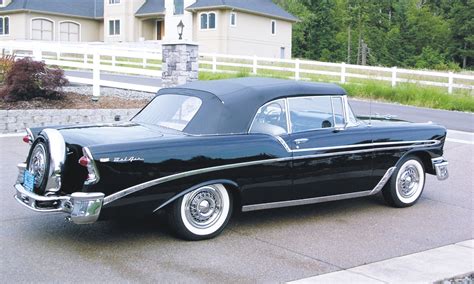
214, 63
343, 72
255, 64
394, 76
96, 74
450, 82
86, 59
144, 62
297, 69
37, 54
113, 60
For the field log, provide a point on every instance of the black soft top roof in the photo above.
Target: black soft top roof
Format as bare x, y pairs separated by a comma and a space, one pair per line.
228, 106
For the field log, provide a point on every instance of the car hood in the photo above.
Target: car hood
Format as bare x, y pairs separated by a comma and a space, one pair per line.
113, 133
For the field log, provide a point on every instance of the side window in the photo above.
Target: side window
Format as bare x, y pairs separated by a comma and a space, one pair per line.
271, 119
311, 113
338, 108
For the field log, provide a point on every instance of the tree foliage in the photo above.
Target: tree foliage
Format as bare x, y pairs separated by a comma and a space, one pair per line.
406, 33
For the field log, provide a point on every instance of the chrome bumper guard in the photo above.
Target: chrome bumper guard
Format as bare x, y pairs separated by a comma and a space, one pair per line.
440, 165
82, 207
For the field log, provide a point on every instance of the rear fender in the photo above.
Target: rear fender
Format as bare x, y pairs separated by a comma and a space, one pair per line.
235, 189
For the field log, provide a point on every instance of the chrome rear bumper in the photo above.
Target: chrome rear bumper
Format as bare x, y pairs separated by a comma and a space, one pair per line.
440, 166
83, 208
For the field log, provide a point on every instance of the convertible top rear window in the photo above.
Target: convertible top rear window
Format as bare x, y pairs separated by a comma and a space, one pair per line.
170, 111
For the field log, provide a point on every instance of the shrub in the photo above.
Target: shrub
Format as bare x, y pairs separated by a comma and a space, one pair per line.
6, 63
29, 79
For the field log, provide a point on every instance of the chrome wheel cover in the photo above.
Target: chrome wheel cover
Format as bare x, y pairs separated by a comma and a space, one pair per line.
410, 181
204, 210
37, 164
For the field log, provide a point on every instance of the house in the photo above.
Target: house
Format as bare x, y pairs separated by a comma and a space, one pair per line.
245, 27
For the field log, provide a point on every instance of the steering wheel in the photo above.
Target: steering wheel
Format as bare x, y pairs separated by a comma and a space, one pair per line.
272, 113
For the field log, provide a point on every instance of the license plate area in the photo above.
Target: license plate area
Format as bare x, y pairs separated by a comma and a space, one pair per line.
28, 181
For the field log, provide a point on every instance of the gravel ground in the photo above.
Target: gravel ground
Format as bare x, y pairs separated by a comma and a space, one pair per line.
126, 94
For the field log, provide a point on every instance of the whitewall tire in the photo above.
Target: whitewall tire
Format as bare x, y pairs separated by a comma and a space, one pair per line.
202, 213
406, 184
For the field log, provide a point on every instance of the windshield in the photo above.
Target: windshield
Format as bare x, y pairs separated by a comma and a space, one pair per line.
171, 111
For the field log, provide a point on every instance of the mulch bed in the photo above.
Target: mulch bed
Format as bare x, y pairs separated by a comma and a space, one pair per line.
75, 101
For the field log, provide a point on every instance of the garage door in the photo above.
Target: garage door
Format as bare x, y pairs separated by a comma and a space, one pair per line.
42, 29
69, 31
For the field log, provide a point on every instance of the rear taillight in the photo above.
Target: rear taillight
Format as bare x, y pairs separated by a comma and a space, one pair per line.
88, 162
28, 138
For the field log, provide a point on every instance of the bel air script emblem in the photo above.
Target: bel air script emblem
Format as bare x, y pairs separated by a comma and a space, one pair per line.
122, 159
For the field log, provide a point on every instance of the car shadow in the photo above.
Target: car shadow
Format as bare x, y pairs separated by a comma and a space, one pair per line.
155, 228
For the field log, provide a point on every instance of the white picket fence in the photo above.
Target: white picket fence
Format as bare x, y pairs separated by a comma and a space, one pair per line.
147, 62
94, 58
298, 69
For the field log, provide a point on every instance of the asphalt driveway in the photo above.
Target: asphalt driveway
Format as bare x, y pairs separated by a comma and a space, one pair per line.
274, 245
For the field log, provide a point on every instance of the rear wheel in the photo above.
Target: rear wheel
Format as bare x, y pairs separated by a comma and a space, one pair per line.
202, 213
406, 184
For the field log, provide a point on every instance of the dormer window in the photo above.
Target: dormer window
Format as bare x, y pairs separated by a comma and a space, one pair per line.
233, 19
178, 7
4, 25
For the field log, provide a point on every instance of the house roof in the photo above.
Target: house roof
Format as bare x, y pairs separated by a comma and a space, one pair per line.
151, 7
262, 7
83, 8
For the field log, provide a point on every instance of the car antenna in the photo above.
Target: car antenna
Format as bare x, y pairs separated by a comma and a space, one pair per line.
370, 110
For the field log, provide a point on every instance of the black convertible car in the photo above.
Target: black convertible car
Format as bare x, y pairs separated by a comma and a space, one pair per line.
200, 150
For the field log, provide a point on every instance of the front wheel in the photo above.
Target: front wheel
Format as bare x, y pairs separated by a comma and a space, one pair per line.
202, 213
406, 184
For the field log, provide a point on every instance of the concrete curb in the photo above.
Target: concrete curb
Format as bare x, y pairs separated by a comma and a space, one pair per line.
425, 267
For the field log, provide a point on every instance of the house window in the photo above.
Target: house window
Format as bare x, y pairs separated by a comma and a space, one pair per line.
42, 29
208, 21
274, 27
4, 25
114, 27
1, 3
178, 7
233, 19
69, 31
111, 2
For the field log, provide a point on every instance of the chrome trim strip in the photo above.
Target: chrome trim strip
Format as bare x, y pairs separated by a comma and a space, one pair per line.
321, 199
57, 152
386, 177
110, 198
30, 135
283, 143
305, 201
424, 143
136, 188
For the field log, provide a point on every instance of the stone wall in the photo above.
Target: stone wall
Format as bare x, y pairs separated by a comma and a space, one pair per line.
180, 63
14, 121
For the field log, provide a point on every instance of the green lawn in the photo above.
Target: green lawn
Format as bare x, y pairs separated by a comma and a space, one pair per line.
408, 94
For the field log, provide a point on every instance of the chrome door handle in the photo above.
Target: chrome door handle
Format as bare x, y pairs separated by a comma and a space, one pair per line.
300, 141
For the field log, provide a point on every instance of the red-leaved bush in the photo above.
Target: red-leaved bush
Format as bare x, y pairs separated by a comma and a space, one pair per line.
29, 79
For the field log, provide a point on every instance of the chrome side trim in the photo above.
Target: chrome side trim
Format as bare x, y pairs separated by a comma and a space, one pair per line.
305, 201
57, 152
418, 143
139, 187
283, 143
136, 188
386, 177
321, 199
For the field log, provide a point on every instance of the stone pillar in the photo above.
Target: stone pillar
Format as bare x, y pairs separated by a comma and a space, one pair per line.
180, 63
